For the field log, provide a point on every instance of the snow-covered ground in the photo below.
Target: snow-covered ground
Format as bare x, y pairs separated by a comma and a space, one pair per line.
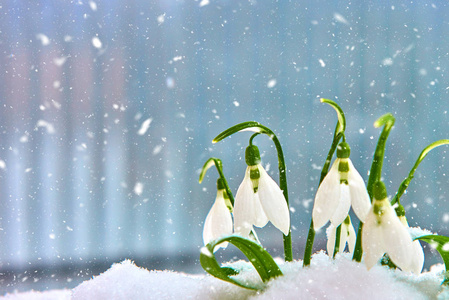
324, 279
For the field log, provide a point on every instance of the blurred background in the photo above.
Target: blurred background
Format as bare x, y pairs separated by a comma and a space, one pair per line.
108, 110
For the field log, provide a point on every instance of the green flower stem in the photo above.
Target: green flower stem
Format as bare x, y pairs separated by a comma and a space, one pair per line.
309, 245
337, 241
252, 138
338, 134
406, 182
219, 166
387, 121
259, 128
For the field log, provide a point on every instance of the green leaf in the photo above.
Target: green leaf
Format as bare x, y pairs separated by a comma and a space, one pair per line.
405, 183
209, 163
256, 254
430, 147
387, 120
341, 125
441, 244
245, 126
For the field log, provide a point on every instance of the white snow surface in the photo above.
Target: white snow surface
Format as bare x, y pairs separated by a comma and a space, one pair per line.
323, 279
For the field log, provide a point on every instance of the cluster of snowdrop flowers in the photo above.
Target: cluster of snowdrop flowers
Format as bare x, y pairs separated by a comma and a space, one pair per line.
258, 200
342, 187
383, 232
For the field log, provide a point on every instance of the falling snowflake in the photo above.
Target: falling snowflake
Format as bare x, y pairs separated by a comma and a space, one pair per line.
339, 18
138, 188
144, 127
96, 42
43, 38
271, 83
204, 3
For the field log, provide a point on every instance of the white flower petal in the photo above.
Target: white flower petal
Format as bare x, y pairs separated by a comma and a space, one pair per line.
218, 221
331, 233
326, 198
273, 202
417, 260
243, 209
344, 204
359, 195
352, 237
260, 219
372, 240
247, 208
396, 239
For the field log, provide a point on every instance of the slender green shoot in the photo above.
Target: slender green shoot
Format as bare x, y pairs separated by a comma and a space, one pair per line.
405, 183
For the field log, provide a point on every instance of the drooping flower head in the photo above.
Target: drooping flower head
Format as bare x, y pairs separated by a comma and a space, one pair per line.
417, 262
259, 199
347, 236
383, 233
342, 187
218, 221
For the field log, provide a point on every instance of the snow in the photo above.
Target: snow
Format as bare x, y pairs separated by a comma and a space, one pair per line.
144, 127
339, 18
322, 63
59, 61
43, 38
96, 42
42, 123
271, 83
341, 278
93, 5
138, 188
161, 19
204, 3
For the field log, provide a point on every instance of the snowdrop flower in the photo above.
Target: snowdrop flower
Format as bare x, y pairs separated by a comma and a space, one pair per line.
418, 256
342, 187
259, 199
383, 232
218, 221
347, 235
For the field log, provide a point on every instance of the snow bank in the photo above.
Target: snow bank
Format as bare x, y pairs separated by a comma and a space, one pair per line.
324, 279
127, 281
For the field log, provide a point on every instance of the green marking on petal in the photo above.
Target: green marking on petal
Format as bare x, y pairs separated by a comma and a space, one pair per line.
254, 175
343, 167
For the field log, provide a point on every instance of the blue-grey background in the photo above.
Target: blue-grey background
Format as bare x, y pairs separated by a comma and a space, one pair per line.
80, 188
